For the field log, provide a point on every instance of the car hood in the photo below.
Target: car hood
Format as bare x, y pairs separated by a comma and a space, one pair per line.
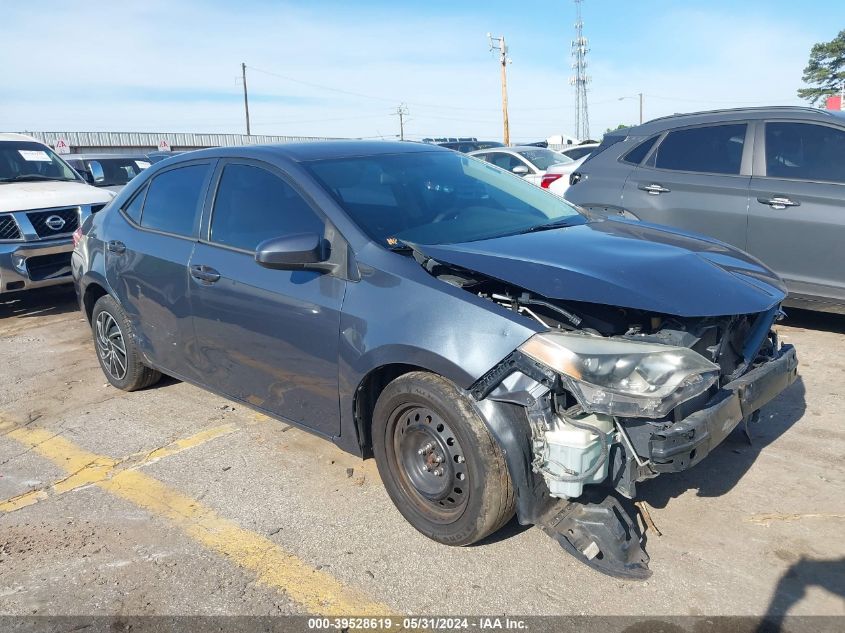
47, 194
626, 264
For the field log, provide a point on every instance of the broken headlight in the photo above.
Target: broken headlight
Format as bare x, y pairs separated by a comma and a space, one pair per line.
622, 377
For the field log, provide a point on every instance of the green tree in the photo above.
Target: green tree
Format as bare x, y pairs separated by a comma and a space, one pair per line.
825, 72
621, 126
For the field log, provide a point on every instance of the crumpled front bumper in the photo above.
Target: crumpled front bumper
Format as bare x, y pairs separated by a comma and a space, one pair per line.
687, 442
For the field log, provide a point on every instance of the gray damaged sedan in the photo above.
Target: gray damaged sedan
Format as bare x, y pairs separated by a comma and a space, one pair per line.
496, 351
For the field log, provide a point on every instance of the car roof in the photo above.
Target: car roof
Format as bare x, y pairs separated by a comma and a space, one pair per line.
714, 116
104, 156
512, 150
13, 136
311, 151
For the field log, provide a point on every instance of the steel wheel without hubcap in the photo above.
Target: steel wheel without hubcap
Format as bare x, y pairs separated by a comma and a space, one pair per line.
111, 346
430, 462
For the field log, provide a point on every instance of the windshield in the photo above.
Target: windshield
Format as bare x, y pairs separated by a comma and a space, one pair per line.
22, 161
437, 198
544, 158
108, 172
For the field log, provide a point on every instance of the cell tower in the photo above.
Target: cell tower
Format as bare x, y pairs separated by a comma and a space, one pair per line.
580, 78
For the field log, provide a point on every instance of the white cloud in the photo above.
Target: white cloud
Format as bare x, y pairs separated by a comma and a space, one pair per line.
128, 67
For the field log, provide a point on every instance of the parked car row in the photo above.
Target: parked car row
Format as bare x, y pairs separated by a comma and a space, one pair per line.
542, 167
44, 198
42, 202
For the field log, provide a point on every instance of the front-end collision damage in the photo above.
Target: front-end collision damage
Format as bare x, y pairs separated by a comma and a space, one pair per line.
604, 397
593, 413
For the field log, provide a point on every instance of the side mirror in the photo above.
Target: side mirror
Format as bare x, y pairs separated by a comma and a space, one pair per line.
294, 252
520, 170
96, 171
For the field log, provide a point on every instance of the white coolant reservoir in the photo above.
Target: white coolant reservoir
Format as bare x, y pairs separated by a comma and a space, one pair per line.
570, 449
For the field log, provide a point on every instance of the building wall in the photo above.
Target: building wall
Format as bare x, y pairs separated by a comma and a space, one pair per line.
117, 142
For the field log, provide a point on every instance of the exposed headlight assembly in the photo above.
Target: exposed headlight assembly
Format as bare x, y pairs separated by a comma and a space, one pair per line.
621, 377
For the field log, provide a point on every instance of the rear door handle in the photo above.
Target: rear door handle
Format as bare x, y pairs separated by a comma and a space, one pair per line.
204, 273
778, 202
654, 189
116, 246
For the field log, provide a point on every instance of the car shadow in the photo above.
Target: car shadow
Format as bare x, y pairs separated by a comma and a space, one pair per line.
806, 319
54, 300
508, 530
793, 585
720, 471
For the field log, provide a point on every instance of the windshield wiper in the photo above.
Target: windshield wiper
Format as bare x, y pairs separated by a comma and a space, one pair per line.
572, 220
25, 177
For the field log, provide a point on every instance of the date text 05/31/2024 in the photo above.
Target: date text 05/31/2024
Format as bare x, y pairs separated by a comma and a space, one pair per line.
420, 623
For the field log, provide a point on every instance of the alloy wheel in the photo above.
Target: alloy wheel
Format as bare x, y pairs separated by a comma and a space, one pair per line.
111, 346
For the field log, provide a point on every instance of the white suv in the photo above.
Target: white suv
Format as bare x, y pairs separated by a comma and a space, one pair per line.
42, 202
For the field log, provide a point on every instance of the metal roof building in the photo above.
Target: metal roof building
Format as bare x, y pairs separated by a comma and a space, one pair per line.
116, 142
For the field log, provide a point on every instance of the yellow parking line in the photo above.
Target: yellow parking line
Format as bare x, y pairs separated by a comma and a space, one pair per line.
187, 443
88, 468
314, 590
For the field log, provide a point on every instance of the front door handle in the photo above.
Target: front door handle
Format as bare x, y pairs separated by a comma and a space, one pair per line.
204, 273
654, 189
116, 246
778, 202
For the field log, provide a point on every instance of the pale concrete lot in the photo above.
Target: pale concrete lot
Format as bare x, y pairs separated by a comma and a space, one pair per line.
175, 501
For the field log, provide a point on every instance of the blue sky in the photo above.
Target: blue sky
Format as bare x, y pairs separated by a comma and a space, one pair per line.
340, 68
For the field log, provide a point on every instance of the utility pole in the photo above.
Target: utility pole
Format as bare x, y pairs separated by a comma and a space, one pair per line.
641, 108
402, 112
580, 78
498, 44
246, 99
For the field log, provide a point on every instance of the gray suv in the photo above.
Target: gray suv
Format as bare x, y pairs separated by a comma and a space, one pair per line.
768, 180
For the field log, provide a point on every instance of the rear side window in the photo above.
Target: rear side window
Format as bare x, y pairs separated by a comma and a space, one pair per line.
714, 149
636, 155
805, 151
253, 205
133, 209
609, 140
173, 199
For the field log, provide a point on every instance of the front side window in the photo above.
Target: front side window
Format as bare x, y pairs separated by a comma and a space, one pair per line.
437, 197
713, 149
173, 200
805, 151
253, 205
22, 161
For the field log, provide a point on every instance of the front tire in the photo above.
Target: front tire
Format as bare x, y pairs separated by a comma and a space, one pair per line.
114, 341
438, 461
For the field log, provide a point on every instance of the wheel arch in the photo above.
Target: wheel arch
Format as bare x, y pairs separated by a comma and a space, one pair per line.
93, 288
366, 395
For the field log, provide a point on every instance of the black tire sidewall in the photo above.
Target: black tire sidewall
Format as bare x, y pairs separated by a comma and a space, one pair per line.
134, 366
418, 388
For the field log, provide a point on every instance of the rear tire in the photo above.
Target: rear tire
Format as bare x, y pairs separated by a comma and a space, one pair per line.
114, 341
440, 465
